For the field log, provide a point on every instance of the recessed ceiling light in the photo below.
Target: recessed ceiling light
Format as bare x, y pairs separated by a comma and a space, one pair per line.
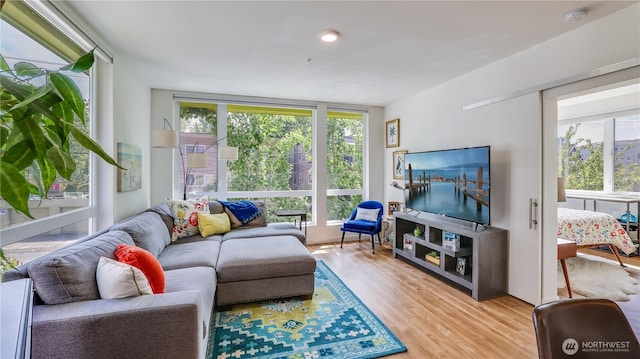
576, 15
329, 36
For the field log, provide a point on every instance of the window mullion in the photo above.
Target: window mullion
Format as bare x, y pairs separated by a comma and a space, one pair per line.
608, 154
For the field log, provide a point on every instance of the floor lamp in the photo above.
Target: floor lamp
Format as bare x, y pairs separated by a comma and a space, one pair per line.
170, 139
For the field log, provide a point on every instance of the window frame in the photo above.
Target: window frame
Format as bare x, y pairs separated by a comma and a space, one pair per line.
222, 102
48, 26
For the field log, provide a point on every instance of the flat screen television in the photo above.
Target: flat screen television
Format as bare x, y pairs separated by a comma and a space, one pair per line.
453, 183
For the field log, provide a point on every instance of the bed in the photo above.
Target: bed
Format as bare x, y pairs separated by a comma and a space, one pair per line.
593, 229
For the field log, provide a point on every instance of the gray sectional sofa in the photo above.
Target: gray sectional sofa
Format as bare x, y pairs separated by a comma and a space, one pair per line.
71, 320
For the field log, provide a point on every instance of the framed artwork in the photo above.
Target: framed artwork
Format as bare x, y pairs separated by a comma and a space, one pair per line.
461, 265
398, 164
393, 207
393, 133
130, 158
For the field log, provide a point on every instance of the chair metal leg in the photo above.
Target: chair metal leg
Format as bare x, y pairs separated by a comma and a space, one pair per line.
373, 249
342, 241
359, 236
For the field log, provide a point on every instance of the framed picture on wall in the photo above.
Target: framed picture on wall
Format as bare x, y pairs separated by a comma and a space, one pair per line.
393, 207
130, 158
393, 133
398, 164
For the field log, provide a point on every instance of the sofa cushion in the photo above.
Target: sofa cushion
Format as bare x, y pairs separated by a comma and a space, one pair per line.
69, 274
147, 230
260, 221
215, 207
185, 216
259, 258
120, 280
272, 229
211, 224
146, 262
202, 253
163, 210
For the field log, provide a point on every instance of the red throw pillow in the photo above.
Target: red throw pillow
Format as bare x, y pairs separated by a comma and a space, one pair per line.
146, 262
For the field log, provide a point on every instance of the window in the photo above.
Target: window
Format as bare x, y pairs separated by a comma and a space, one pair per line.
198, 133
268, 140
26, 37
345, 166
274, 149
195, 179
599, 140
276, 155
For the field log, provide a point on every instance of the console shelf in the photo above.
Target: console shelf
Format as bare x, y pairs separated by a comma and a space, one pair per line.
484, 252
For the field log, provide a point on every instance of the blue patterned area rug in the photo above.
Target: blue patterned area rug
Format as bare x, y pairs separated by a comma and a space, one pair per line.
334, 324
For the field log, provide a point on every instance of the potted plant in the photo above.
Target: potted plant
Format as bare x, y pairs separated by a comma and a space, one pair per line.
433, 257
38, 109
417, 232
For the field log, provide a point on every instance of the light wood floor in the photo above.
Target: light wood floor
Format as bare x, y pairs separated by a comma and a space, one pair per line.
432, 319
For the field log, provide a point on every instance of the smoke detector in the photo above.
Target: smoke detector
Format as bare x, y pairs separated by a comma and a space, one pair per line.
576, 15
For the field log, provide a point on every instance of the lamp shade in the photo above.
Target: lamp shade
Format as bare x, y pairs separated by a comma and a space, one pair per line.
164, 139
562, 194
228, 153
196, 160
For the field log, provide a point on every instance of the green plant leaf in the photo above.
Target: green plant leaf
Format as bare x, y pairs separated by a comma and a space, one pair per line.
82, 64
4, 66
28, 70
56, 134
21, 92
14, 188
64, 112
92, 146
62, 162
69, 91
20, 156
4, 135
38, 94
37, 188
33, 135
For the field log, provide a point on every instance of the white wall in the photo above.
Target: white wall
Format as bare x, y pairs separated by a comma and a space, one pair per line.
434, 119
131, 113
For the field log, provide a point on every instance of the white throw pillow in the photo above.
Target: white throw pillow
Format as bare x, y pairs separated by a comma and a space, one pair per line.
120, 280
367, 214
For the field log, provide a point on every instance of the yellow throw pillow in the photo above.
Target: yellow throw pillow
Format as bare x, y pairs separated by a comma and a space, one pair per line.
211, 224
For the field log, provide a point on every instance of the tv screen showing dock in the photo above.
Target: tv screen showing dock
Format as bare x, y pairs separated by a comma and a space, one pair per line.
453, 183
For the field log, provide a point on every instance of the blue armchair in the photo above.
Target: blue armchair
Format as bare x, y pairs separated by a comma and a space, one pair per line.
364, 219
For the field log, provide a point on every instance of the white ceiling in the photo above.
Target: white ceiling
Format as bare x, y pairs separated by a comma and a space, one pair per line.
388, 50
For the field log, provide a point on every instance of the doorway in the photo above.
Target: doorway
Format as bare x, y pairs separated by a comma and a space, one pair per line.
602, 112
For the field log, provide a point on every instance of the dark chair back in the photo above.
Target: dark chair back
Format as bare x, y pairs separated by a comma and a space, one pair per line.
584, 328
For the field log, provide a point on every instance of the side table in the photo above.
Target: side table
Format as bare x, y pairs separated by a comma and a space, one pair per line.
387, 230
295, 213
